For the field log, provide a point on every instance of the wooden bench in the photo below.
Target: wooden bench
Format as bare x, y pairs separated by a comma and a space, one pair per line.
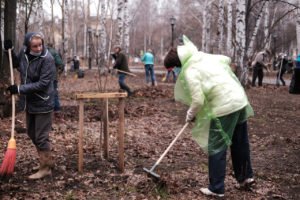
121, 105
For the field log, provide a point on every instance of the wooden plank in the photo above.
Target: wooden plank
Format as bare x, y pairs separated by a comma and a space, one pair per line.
96, 95
80, 136
128, 73
105, 131
121, 133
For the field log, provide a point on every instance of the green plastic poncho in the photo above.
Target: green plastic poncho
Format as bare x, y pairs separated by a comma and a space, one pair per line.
212, 91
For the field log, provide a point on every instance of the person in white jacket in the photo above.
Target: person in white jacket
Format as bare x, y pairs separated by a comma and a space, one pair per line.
218, 104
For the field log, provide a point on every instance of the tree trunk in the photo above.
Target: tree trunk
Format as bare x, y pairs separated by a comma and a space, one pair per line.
103, 36
119, 36
9, 33
206, 26
266, 24
229, 28
126, 27
221, 27
65, 32
52, 23
298, 29
241, 39
40, 16
253, 37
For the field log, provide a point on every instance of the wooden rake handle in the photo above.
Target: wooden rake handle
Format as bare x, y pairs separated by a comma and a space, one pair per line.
13, 116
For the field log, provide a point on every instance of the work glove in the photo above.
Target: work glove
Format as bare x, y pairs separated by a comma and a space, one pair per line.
8, 44
191, 114
190, 119
13, 89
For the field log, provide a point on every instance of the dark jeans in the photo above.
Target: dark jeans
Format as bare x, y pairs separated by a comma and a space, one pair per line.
168, 75
240, 154
149, 72
56, 97
279, 76
38, 129
257, 73
122, 83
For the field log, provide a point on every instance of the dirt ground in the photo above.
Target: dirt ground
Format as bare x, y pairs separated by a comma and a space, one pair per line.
153, 119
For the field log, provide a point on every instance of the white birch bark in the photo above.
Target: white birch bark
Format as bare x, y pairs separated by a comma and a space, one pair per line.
126, 27
65, 36
85, 29
206, 26
119, 37
253, 37
221, 27
266, 24
103, 36
40, 16
241, 38
111, 5
229, 28
74, 27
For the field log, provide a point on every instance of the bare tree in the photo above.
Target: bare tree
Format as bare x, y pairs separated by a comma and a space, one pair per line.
120, 19
241, 38
206, 26
229, 28
9, 33
126, 27
253, 37
221, 26
65, 19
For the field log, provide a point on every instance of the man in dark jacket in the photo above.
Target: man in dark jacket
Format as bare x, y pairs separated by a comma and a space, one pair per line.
260, 62
37, 71
121, 64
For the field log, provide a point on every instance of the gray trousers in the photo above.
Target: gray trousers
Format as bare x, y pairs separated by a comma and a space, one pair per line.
38, 129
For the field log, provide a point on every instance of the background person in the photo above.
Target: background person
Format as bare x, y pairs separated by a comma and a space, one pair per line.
259, 63
148, 60
121, 63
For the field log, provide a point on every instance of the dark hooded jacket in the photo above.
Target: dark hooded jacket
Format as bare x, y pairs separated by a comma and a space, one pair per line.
37, 75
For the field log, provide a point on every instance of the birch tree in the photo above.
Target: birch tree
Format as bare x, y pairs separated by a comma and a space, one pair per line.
229, 28
119, 36
85, 24
126, 27
266, 24
64, 8
221, 26
241, 38
103, 35
253, 37
52, 23
206, 26
40, 16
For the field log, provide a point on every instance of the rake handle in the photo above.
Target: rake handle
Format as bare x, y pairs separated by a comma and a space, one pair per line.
169, 147
13, 96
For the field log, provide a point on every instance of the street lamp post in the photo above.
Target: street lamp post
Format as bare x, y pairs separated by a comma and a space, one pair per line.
172, 22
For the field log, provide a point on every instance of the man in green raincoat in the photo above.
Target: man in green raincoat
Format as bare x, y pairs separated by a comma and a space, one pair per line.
218, 103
